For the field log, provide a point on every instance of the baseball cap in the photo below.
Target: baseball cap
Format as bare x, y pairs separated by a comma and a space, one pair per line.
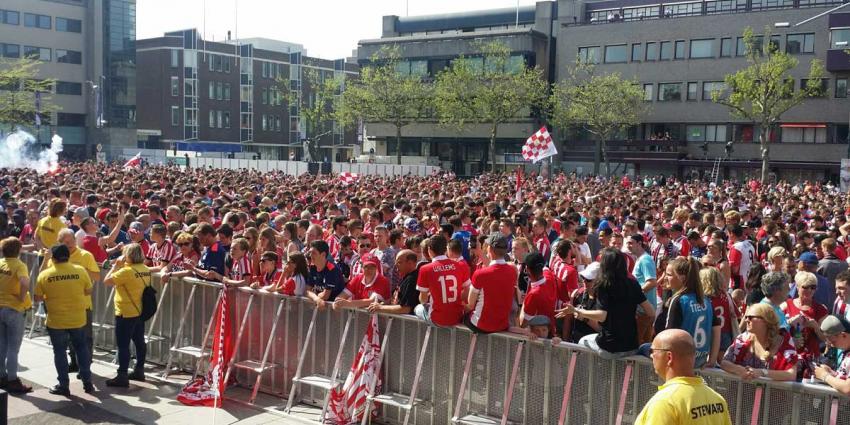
497, 241
137, 227
534, 261
60, 253
412, 224
808, 257
538, 321
834, 325
81, 212
101, 215
591, 271
370, 260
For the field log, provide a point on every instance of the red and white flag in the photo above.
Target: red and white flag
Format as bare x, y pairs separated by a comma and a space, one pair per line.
348, 403
539, 146
348, 178
134, 162
209, 390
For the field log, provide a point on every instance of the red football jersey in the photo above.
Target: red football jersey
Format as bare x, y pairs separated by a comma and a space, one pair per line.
377, 290
496, 284
540, 299
444, 279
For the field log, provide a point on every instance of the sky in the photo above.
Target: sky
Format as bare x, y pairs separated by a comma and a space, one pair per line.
327, 29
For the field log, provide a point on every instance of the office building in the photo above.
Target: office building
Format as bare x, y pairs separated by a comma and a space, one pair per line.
225, 96
87, 46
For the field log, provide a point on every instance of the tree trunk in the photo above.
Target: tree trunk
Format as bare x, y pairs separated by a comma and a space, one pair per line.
605, 158
764, 143
398, 144
597, 155
493, 132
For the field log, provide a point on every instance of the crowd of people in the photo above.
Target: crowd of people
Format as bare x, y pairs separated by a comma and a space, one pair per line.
757, 276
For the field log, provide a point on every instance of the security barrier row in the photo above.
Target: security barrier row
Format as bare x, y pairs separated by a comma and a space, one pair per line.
457, 378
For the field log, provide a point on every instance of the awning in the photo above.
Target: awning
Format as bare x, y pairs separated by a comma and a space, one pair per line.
803, 125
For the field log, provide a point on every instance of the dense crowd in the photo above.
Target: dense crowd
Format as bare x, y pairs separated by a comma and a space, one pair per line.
756, 275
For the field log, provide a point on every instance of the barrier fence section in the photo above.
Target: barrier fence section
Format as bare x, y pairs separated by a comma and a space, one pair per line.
601, 391
297, 167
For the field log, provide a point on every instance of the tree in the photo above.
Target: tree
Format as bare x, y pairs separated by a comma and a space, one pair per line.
604, 105
493, 89
763, 91
318, 108
385, 93
18, 87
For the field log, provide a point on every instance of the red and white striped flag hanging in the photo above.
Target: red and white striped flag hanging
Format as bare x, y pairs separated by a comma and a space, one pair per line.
348, 403
539, 146
348, 178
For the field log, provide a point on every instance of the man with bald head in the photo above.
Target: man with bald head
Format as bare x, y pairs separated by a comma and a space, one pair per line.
407, 296
684, 398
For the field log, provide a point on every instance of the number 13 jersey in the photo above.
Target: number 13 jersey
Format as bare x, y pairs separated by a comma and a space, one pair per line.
444, 279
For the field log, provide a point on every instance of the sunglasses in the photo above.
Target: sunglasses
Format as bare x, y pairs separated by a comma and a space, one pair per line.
365, 246
753, 317
809, 287
184, 244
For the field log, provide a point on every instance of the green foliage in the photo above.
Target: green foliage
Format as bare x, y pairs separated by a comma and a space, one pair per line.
764, 90
318, 109
18, 85
384, 95
604, 105
492, 89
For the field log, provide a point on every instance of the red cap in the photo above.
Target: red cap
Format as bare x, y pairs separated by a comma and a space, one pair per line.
370, 259
101, 215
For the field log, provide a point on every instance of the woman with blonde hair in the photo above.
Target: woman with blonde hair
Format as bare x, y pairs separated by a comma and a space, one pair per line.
725, 309
763, 351
776, 259
805, 316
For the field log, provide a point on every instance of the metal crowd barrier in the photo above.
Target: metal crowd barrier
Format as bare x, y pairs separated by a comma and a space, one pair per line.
600, 391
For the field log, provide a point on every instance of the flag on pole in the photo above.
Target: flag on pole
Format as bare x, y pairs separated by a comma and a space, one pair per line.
539, 146
209, 390
134, 162
347, 404
347, 178
519, 184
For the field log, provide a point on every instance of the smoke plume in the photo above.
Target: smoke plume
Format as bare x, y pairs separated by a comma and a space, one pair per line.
21, 150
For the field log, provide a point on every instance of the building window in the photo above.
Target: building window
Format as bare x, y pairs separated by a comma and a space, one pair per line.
702, 49
226, 119
841, 88
680, 49
212, 119
175, 86
647, 92
616, 54
37, 21
265, 97
839, 36
669, 92
706, 133
69, 56
265, 120
725, 47
175, 116
219, 90
10, 50
211, 94
226, 63
803, 134
175, 58
188, 87
69, 25
218, 119
741, 47
693, 91
666, 50
217, 63
651, 51
800, 43
636, 52
277, 123
589, 54
823, 89
69, 88
38, 53
10, 17
226, 91
710, 87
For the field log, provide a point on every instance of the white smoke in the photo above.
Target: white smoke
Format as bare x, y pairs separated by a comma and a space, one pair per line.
21, 150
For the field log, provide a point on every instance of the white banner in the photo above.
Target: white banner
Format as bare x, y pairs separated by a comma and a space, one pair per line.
845, 174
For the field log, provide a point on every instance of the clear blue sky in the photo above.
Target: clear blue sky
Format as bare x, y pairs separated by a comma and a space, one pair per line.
327, 28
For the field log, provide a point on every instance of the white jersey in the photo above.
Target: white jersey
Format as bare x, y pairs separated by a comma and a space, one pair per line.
748, 257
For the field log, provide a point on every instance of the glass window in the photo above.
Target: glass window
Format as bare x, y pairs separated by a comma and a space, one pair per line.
10, 17
693, 91
217, 62
175, 116
636, 52
800, 43
680, 49
211, 94
841, 87
715, 133
10, 50
666, 50
188, 87
824, 86
709, 87
69, 25
616, 54
651, 51
175, 86
695, 133
219, 90
175, 58
69, 56
218, 117
725, 47
840, 36
38, 53
419, 68
670, 91
69, 88
226, 91
226, 119
647, 92
589, 54
702, 48
226, 63
212, 119
37, 21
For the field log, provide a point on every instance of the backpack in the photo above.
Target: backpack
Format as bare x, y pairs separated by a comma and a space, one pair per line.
149, 304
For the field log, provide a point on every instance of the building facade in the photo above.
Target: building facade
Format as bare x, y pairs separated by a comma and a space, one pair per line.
87, 46
679, 52
227, 96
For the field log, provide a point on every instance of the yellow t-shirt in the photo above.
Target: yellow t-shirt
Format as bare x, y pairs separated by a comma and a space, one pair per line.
685, 400
64, 287
85, 260
130, 280
11, 272
47, 230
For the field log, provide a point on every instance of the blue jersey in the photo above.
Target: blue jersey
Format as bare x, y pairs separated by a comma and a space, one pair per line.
696, 319
464, 237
